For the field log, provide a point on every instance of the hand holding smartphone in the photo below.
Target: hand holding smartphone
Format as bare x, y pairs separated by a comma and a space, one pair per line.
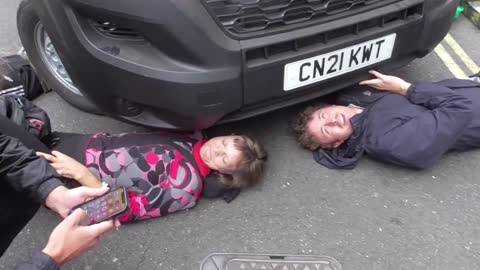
110, 205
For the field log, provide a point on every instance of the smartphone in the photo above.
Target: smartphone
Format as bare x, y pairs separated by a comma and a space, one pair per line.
108, 206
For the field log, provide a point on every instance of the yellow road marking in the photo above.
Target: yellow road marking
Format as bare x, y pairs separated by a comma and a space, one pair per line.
462, 54
449, 62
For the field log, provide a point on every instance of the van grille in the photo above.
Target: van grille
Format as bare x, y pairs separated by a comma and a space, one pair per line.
240, 17
258, 55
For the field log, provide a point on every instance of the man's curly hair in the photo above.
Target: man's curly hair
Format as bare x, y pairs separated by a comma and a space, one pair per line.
300, 127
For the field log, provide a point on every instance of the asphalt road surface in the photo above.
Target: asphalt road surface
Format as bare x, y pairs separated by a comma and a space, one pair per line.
374, 217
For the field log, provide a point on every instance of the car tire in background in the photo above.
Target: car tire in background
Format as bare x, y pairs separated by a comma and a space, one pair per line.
45, 60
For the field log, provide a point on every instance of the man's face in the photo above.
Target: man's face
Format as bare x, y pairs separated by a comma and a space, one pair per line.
331, 126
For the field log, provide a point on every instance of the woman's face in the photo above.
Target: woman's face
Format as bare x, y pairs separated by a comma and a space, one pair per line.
220, 154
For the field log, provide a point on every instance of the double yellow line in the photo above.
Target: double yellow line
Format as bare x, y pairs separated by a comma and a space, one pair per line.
450, 63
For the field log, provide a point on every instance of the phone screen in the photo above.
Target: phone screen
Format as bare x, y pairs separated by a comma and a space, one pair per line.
109, 205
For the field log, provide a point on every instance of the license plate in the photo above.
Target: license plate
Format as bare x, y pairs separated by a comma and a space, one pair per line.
332, 64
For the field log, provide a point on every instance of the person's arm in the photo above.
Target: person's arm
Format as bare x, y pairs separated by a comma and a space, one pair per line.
67, 241
70, 168
423, 139
24, 171
88, 179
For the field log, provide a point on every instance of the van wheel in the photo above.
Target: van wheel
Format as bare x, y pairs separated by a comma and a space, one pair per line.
44, 58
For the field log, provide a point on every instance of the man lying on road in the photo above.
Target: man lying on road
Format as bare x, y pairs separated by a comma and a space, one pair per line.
406, 124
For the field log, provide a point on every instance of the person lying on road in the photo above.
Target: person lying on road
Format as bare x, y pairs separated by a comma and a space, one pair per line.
394, 121
163, 172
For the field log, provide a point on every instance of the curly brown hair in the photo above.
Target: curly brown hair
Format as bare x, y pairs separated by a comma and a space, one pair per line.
300, 127
251, 168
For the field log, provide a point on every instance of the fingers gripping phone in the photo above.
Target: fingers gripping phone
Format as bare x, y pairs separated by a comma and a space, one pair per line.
110, 205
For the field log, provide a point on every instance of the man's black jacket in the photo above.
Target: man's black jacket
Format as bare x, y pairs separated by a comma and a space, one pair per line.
412, 131
25, 182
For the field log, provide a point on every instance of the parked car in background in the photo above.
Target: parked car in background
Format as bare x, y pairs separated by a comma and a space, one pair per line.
188, 64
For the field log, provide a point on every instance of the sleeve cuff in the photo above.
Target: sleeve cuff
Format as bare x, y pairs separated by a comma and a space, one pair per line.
40, 261
411, 90
47, 187
44, 262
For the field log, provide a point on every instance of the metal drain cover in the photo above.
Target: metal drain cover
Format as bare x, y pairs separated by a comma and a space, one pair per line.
244, 261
